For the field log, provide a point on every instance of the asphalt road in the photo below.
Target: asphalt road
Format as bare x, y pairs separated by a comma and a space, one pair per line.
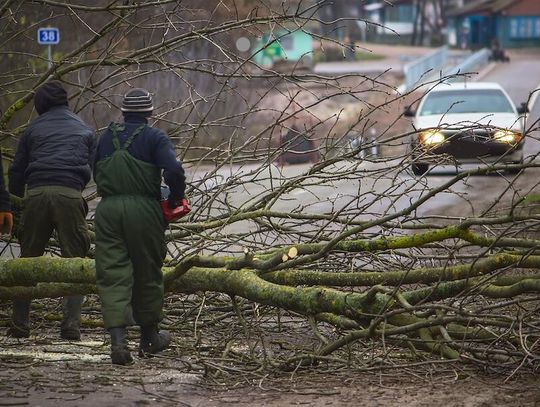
396, 189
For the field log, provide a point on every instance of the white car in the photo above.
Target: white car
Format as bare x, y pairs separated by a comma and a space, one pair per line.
463, 123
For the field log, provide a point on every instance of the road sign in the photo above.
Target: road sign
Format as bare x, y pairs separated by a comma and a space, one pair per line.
48, 36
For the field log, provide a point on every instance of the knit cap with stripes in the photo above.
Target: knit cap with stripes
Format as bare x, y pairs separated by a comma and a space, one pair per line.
137, 100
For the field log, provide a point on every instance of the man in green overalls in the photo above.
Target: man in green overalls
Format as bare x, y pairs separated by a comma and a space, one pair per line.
130, 227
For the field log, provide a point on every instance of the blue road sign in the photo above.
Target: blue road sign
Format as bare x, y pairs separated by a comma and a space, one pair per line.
48, 36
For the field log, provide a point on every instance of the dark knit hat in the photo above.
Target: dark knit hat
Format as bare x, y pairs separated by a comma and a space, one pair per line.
48, 95
137, 100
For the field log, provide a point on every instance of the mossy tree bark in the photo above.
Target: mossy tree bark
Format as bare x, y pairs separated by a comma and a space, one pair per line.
383, 304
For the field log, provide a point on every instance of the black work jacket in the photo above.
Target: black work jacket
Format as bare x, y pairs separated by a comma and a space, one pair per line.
57, 148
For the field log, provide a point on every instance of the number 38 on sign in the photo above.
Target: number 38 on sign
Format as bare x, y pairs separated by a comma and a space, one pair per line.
48, 36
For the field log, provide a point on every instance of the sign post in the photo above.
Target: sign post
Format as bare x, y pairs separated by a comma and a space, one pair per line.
48, 36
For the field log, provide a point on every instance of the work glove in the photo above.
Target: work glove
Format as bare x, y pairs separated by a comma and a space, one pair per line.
6, 223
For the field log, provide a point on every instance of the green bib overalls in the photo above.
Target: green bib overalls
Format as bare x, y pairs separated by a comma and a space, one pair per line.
130, 237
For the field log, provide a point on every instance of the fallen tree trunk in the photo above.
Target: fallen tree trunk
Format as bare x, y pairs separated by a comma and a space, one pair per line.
399, 312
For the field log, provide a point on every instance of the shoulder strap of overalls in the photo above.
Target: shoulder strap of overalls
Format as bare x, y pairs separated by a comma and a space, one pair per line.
118, 128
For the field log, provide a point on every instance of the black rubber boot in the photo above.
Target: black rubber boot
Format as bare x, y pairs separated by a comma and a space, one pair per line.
20, 319
153, 341
119, 349
71, 323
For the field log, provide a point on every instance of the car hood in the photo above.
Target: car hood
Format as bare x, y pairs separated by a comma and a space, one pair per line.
502, 120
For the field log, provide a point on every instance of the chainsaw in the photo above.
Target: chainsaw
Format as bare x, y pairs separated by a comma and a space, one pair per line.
172, 214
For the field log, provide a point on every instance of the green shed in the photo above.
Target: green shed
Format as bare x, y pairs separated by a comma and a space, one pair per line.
283, 45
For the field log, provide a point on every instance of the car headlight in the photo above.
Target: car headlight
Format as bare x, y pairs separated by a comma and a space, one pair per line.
431, 137
507, 136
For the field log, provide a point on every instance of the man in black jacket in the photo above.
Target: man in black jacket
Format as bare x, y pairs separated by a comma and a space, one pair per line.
53, 161
6, 218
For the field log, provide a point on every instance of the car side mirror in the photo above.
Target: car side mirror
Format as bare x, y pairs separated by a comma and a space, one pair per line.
409, 112
523, 108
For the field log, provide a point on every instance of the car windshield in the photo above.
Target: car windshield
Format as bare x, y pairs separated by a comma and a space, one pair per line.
466, 101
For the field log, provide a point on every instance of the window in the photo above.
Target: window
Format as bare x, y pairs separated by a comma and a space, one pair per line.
524, 27
402, 13
466, 101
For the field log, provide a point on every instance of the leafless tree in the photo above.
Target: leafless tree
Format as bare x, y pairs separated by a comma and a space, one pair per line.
344, 249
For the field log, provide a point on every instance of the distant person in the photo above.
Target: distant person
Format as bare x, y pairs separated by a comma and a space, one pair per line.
463, 37
497, 53
6, 217
495, 49
52, 162
130, 226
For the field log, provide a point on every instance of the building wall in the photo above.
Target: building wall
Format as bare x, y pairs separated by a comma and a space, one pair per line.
517, 26
302, 46
519, 31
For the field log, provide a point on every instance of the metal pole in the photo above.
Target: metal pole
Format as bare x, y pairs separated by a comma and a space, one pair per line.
374, 146
49, 52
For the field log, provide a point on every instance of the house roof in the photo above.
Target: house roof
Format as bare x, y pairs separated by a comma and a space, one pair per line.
502, 4
481, 6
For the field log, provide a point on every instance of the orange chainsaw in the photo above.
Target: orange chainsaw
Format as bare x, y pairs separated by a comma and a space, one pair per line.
172, 214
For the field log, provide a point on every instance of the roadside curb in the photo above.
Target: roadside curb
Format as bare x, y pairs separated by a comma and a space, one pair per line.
485, 71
